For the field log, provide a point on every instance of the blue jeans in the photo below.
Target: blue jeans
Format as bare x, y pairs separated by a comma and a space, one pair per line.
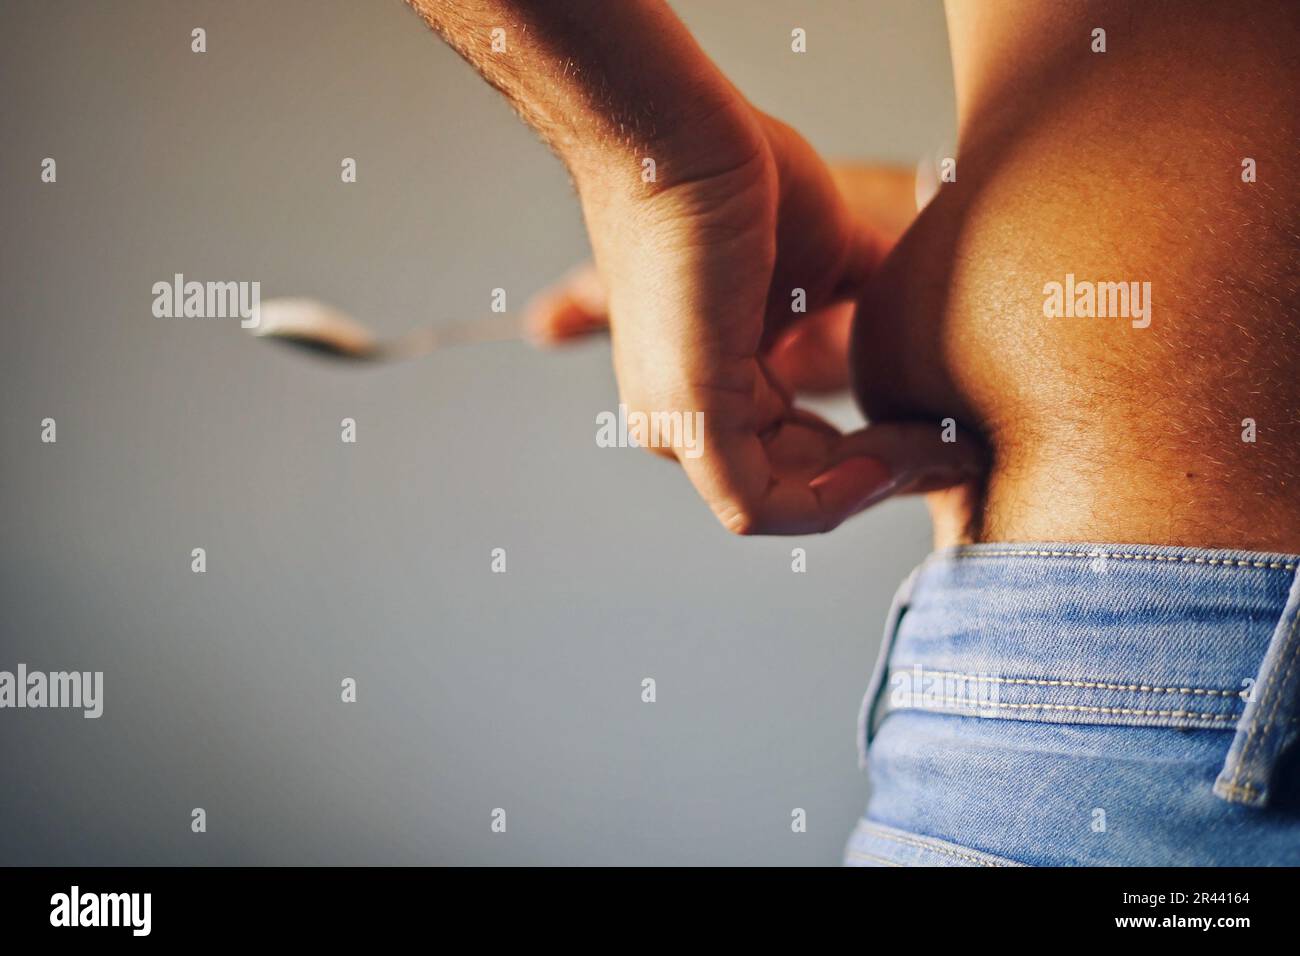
1086, 705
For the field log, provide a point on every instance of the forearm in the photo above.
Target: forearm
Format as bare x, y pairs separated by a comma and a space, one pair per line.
606, 84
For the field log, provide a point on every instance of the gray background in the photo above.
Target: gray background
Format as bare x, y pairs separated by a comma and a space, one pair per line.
327, 560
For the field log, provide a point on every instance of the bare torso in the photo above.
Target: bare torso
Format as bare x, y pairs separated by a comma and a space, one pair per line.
1120, 167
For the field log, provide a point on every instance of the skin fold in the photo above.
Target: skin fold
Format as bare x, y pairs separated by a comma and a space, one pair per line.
1116, 166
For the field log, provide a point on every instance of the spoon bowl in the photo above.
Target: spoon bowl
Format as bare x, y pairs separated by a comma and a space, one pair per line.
314, 326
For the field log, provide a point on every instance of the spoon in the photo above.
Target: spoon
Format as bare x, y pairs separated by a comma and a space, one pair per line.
315, 326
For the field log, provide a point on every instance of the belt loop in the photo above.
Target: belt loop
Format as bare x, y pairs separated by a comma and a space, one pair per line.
1267, 726
866, 728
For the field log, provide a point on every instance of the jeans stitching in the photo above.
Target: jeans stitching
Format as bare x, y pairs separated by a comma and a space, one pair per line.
884, 834
1090, 684
1123, 556
1123, 711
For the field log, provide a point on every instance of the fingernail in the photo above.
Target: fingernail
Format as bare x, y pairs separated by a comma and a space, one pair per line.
854, 484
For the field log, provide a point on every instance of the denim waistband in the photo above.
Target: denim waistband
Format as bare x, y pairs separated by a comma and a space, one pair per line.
1134, 635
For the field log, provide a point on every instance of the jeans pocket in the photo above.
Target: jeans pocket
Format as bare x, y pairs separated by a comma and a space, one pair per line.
874, 844
866, 713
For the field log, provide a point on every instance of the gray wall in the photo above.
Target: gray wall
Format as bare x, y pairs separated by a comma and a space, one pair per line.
371, 560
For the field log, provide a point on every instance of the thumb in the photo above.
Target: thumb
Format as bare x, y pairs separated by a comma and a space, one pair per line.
893, 458
572, 308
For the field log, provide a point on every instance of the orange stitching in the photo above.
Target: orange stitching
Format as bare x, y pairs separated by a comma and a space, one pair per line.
1122, 556
1096, 685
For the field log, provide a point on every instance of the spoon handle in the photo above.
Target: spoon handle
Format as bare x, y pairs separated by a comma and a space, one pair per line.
498, 328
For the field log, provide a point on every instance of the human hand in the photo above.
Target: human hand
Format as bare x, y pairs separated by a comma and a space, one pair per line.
696, 280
